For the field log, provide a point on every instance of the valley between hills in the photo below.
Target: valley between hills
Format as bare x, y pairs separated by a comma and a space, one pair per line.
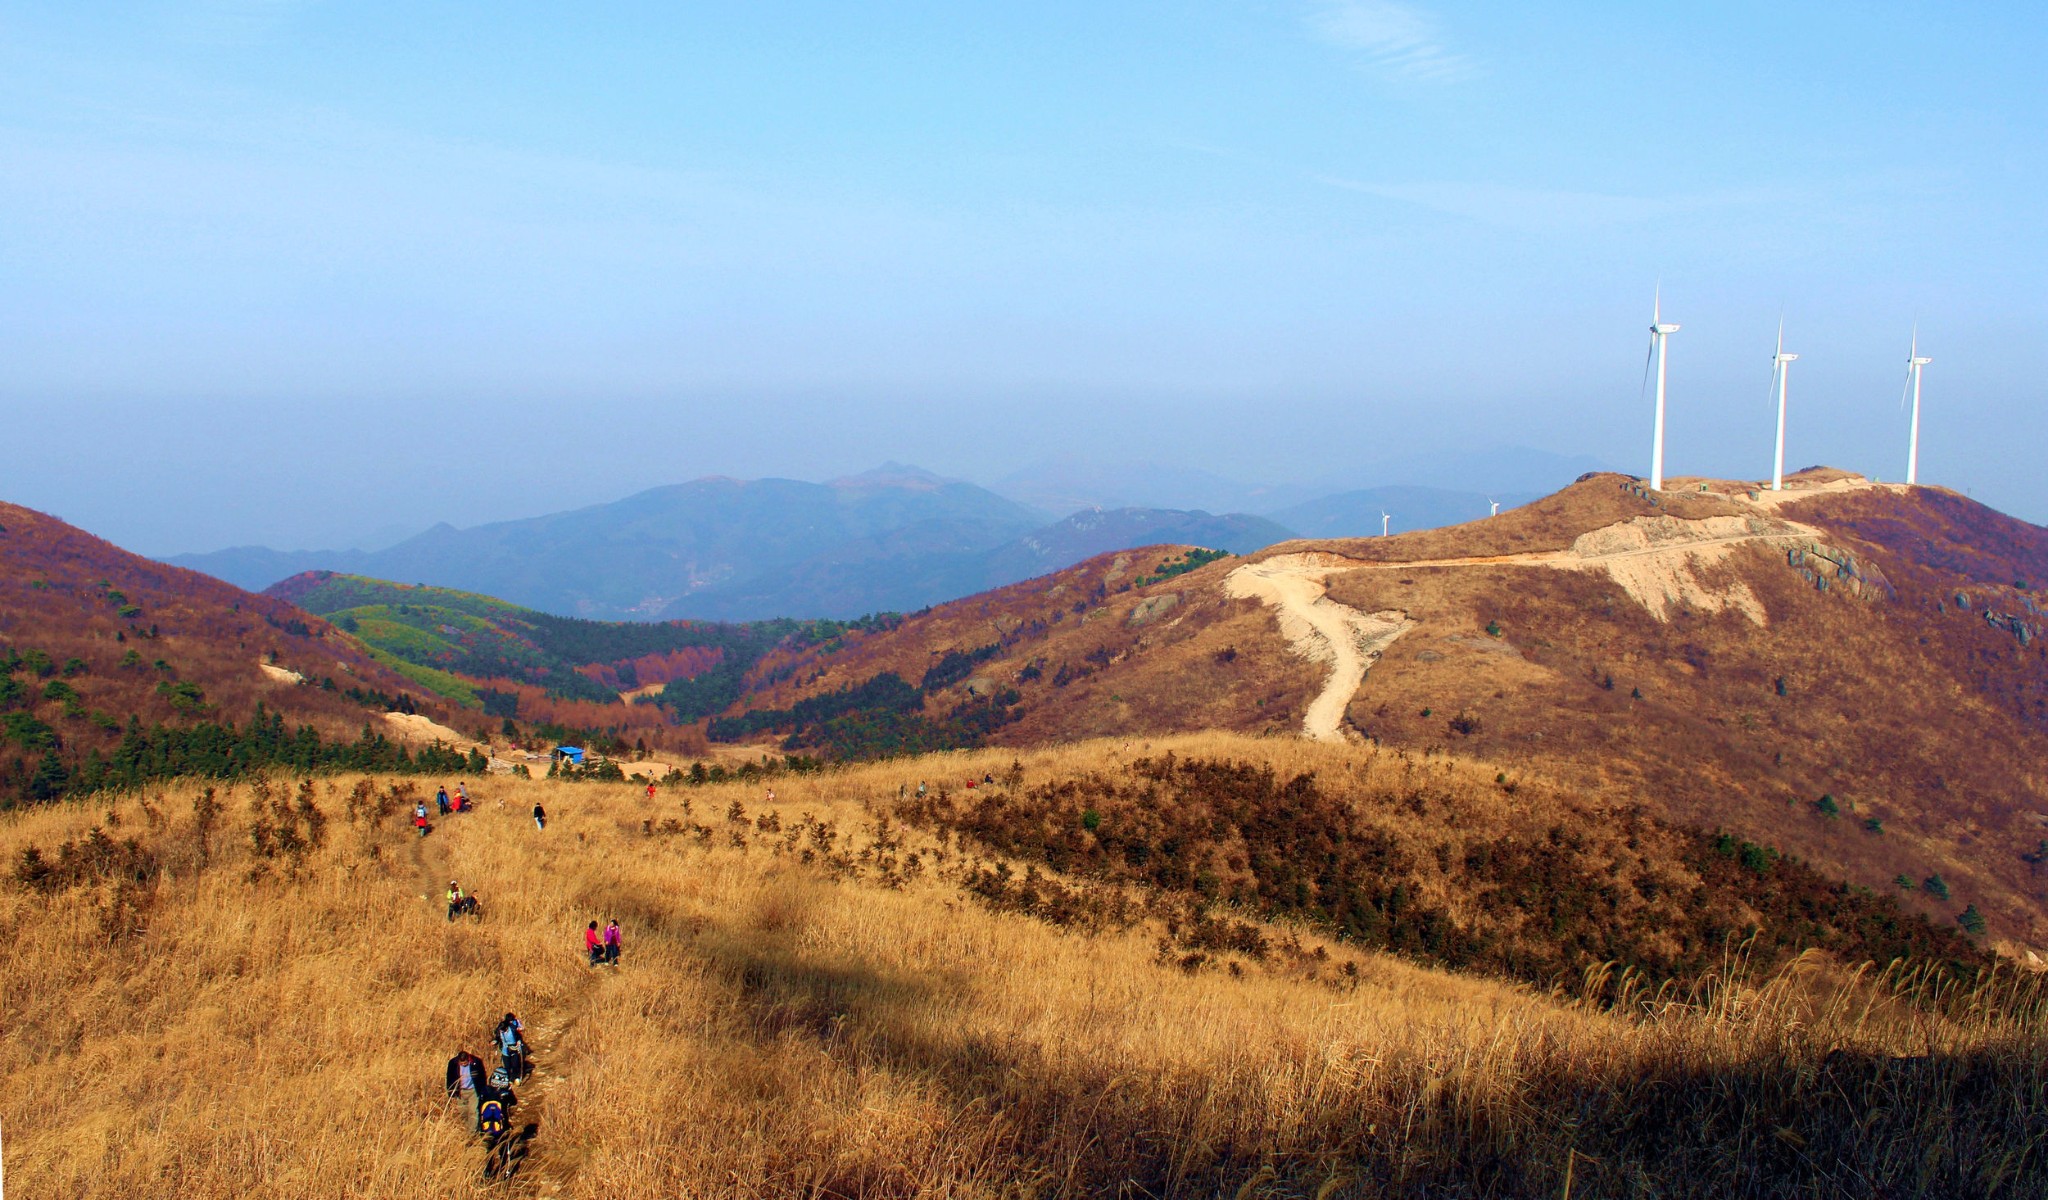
1690, 843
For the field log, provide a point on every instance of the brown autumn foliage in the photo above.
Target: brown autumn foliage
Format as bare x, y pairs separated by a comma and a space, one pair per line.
816, 1000
122, 633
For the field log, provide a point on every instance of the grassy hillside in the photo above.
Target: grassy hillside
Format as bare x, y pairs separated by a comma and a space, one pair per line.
843, 994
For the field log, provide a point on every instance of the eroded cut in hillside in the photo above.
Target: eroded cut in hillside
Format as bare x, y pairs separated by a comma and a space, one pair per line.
1662, 562
1319, 628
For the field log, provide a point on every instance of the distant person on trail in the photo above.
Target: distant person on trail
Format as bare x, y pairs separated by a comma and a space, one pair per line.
419, 819
611, 942
441, 799
459, 904
540, 817
920, 789
462, 796
465, 1077
512, 1047
650, 789
593, 941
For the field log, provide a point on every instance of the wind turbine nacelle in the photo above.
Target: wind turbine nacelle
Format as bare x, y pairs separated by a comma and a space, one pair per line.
1918, 362
1785, 358
1663, 329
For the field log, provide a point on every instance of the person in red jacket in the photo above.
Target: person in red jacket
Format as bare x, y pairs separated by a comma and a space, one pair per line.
594, 943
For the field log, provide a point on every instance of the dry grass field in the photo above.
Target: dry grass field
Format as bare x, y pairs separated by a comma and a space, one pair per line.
259, 1000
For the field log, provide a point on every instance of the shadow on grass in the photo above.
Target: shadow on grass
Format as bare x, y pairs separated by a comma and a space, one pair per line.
1848, 1125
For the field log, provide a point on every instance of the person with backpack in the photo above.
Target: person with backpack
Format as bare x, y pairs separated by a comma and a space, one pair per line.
540, 816
593, 942
512, 1047
611, 942
465, 1081
419, 820
441, 799
490, 1121
462, 796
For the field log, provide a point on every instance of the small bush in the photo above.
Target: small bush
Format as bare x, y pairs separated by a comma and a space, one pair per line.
1972, 921
1828, 807
1936, 886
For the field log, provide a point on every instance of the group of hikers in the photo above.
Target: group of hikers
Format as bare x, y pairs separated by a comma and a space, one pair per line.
459, 803
603, 947
487, 1099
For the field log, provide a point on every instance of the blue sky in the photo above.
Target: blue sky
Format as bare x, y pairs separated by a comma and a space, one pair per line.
298, 272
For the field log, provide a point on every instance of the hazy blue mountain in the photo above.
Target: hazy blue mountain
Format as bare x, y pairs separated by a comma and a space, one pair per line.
1489, 470
1357, 513
638, 557
901, 572
1073, 486
253, 568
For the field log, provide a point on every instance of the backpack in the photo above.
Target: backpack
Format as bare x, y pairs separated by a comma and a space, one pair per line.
499, 1079
490, 1119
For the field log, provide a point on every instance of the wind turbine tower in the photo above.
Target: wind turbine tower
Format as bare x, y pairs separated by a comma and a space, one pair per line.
1780, 368
1913, 364
1385, 520
1659, 331
1495, 504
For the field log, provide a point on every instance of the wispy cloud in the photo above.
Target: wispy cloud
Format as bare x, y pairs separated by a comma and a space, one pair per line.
1391, 39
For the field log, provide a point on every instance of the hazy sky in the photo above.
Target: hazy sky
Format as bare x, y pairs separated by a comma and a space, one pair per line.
296, 272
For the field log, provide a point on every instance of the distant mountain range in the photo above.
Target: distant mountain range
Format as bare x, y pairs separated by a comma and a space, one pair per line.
897, 538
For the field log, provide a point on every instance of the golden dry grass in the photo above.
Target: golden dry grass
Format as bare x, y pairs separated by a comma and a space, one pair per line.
781, 1028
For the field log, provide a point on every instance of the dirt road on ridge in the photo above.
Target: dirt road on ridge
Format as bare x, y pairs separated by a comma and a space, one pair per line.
1654, 559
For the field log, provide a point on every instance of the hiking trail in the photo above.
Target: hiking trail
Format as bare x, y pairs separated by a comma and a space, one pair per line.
1320, 629
1657, 560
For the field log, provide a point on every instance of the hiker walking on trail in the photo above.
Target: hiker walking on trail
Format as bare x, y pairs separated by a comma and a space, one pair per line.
593, 941
419, 818
462, 796
611, 942
512, 1047
458, 904
650, 789
490, 1121
465, 1077
920, 789
540, 817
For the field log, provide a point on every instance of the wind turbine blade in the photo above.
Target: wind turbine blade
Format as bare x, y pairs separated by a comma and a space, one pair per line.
1649, 354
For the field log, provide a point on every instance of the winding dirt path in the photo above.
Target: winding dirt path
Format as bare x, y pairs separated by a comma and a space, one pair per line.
1293, 585
1656, 560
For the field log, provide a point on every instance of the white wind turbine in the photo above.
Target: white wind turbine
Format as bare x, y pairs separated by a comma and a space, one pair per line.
1495, 505
1913, 364
1385, 520
1659, 331
1780, 368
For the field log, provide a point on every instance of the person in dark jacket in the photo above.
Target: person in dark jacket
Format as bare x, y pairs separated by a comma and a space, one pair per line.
466, 1083
540, 817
